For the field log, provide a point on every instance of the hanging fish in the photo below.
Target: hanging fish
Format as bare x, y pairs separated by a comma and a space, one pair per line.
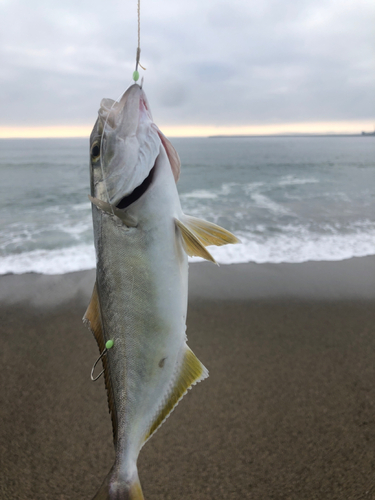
139, 302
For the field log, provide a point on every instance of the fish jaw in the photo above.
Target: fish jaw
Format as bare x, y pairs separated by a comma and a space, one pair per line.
124, 146
128, 144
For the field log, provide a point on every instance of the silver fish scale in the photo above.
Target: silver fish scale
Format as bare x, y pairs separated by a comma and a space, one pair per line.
135, 307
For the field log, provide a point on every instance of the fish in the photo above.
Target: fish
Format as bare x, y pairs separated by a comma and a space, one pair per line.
139, 302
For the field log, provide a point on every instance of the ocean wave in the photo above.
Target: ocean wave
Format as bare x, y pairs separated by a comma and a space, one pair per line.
290, 180
200, 194
294, 247
262, 201
61, 261
85, 207
225, 189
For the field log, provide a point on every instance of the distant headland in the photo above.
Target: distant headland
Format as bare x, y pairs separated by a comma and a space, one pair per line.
362, 134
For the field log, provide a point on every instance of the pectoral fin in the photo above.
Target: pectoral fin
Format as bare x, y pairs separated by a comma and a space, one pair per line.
198, 233
192, 371
92, 320
209, 233
192, 244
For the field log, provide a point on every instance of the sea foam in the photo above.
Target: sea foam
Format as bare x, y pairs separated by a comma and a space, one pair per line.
60, 261
293, 249
282, 248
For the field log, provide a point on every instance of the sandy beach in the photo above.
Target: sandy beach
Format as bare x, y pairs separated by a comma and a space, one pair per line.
288, 411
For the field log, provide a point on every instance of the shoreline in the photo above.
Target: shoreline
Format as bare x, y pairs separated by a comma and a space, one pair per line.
349, 279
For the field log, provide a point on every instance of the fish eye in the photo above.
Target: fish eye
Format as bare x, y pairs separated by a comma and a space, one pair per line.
95, 150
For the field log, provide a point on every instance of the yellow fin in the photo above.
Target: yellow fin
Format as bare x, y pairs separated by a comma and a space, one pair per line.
92, 319
192, 371
209, 233
192, 245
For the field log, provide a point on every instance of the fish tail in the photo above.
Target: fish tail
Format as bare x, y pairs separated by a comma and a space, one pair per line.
117, 489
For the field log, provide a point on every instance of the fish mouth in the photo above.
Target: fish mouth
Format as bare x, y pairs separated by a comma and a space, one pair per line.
124, 116
131, 145
139, 191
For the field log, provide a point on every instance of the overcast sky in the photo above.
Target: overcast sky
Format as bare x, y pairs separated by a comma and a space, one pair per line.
209, 63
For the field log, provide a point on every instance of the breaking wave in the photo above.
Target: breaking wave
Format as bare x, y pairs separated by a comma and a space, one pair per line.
59, 261
292, 248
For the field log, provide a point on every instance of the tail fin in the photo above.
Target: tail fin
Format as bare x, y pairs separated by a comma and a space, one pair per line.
119, 490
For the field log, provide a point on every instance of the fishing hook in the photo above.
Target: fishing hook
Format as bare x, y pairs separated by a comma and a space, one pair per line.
108, 345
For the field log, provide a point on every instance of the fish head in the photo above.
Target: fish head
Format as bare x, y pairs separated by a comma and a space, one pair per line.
124, 146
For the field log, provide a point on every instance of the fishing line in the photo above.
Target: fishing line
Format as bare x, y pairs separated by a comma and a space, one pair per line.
135, 78
138, 53
109, 343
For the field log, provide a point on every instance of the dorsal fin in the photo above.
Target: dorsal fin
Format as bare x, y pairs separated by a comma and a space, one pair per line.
92, 319
192, 245
192, 371
209, 233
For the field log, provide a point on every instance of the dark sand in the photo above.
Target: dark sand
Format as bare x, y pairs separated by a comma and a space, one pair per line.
288, 411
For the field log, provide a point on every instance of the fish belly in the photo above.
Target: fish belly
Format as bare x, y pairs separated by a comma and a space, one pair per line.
143, 301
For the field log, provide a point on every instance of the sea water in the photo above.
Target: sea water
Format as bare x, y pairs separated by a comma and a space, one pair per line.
289, 199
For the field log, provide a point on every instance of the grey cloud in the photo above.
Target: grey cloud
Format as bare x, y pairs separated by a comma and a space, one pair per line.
243, 62
172, 93
213, 72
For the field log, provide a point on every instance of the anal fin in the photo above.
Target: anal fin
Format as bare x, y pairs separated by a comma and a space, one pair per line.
191, 372
92, 319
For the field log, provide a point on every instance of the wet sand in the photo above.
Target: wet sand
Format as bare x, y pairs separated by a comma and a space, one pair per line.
288, 411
